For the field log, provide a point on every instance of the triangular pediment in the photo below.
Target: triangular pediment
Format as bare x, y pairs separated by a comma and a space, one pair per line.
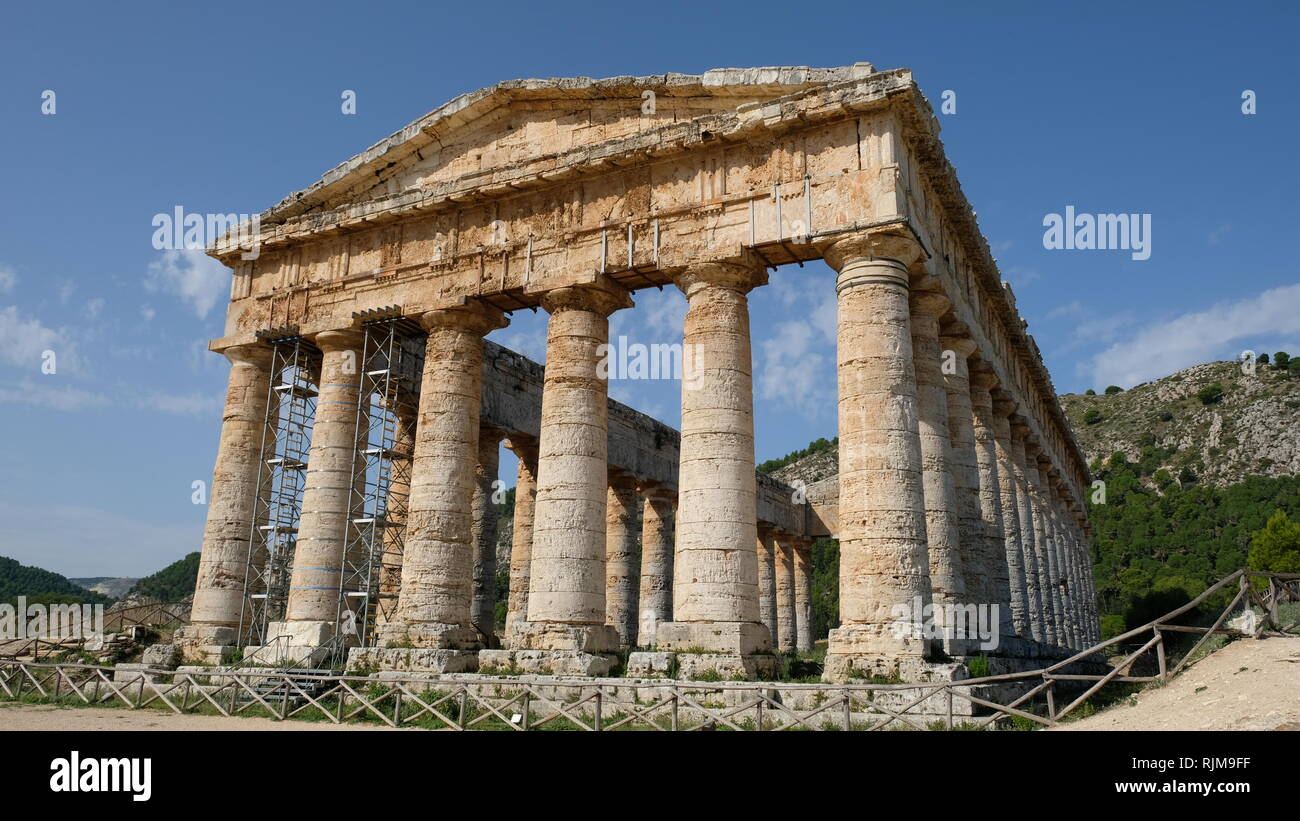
521, 120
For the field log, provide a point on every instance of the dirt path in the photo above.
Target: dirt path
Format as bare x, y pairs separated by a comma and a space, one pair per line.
1252, 684
48, 717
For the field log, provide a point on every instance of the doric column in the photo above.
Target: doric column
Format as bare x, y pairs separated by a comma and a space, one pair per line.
219, 590
396, 506
566, 600
983, 428
656, 590
433, 608
1042, 549
715, 569
803, 637
483, 606
622, 565
767, 595
786, 613
1028, 543
947, 585
327, 494
521, 541
1007, 486
884, 563
1057, 550
1079, 614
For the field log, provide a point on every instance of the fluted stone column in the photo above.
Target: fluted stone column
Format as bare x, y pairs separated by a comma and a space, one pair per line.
1011, 530
656, 590
483, 606
566, 600
396, 508
433, 608
715, 569
767, 595
884, 563
786, 612
1048, 483
983, 427
1028, 546
622, 564
219, 590
976, 572
803, 637
521, 541
947, 583
327, 495
1042, 550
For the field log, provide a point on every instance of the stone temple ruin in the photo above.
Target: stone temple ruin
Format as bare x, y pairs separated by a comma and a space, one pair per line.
351, 508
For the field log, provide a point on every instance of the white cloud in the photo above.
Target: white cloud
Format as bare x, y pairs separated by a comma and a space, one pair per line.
795, 372
147, 313
198, 279
8, 279
1162, 348
49, 393
94, 307
23, 341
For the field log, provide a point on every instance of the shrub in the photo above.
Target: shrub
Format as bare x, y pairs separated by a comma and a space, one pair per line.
1112, 389
1090, 392
1210, 394
1092, 417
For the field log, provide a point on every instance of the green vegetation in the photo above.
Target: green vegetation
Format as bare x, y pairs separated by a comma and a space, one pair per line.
1113, 389
173, 583
41, 586
1092, 416
815, 447
1210, 394
1155, 550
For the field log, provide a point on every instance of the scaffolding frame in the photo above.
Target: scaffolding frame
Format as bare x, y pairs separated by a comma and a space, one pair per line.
281, 480
392, 365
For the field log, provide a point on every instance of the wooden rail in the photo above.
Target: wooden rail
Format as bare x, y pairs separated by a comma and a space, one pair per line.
460, 703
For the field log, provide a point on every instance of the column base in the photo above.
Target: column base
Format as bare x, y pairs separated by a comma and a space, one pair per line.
206, 643
704, 666
548, 635
293, 644
843, 668
740, 638
561, 663
428, 636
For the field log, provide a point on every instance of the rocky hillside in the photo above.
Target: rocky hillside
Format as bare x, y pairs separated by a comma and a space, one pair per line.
109, 586
1213, 420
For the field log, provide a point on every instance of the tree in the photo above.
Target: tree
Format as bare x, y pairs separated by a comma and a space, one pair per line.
1276, 547
1112, 389
1210, 394
1281, 360
1089, 392
1263, 359
1092, 417
1187, 476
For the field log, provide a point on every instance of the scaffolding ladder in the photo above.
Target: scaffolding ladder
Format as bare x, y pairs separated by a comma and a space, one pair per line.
391, 365
277, 497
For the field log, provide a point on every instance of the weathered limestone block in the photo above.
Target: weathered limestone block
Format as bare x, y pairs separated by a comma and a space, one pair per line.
411, 660
433, 609
727, 666
651, 664
883, 557
483, 531
715, 567
656, 589
161, 656
622, 570
219, 590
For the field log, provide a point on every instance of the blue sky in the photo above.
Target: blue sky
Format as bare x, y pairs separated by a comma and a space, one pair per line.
1108, 107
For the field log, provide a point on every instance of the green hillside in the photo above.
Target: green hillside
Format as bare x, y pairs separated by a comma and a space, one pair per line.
41, 586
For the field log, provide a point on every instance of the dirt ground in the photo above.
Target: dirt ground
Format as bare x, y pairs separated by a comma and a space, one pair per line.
47, 717
1251, 684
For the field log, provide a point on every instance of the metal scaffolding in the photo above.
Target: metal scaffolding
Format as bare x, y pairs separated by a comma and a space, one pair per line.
392, 363
277, 499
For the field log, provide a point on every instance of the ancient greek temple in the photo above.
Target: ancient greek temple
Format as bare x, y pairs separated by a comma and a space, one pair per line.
353, 505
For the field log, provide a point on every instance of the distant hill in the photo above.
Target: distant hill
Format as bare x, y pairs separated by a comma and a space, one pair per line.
42, 586
173, 583
108, 585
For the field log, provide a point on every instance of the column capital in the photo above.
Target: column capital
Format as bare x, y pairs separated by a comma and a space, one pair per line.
468, 315
964, 346
1003, 404
338, 339
930, 302
733, 276
603, 296
257, 354
845, 249
983, 379
620, 480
